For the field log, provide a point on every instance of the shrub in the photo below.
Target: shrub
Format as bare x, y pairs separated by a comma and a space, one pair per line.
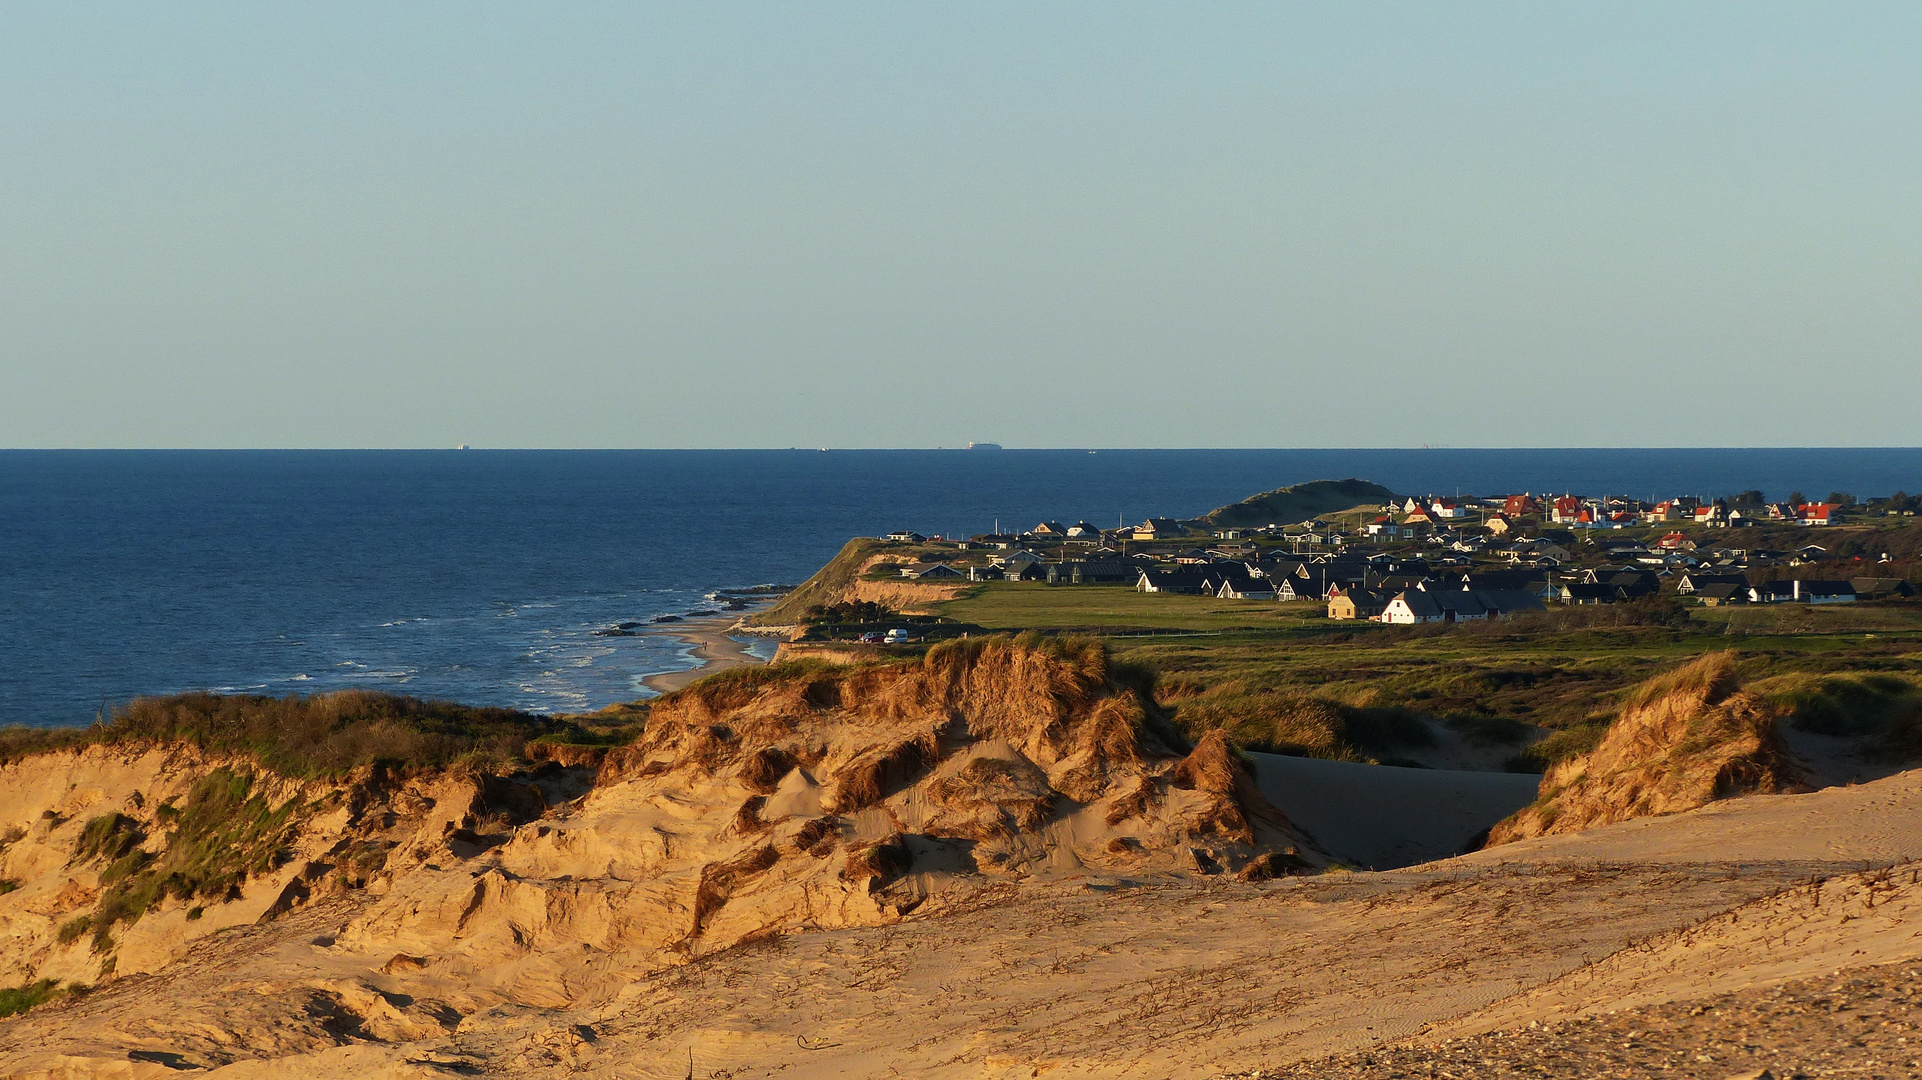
328, 734
109, 836
18, 999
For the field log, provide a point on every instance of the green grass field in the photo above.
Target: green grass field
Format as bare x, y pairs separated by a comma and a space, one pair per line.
1111, 609
1538, 671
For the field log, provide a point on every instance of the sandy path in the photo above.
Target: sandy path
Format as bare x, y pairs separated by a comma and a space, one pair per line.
713, 647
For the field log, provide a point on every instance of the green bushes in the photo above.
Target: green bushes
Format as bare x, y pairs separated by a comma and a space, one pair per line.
326, 735
329, 734
226, 832
18, 999
109, 836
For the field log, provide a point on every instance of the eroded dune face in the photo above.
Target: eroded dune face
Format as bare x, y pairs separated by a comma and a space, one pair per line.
780, 800
775, 800
1686, 739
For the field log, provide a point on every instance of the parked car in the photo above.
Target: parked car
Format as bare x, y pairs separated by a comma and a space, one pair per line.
897, 636
872, 637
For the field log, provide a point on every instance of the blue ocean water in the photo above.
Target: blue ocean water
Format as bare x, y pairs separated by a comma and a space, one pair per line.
479, 576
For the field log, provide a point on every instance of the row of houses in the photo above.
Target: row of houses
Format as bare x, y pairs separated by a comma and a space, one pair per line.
1501, 516
1431, 605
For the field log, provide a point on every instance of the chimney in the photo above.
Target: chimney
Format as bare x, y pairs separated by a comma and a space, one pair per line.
1796, 590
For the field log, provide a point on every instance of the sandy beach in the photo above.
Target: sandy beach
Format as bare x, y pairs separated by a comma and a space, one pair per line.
713, 647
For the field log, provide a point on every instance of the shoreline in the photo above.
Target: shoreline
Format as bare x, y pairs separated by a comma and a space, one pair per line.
715, 649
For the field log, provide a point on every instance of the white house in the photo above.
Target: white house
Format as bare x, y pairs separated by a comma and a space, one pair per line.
1413, 606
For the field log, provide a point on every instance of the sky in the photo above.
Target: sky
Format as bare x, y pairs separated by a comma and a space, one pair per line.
877, 225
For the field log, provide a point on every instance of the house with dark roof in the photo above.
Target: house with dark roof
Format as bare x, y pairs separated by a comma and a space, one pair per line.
1628, 584
1721, 594
1179, 582
1412, 606
1158, 529
1299, 588
1695, 580
903, 536
1460, 606
1242, 586
1093, 572
935, 572
1824, 592
1507, 603
1583, 592
1881, 588
1355, 602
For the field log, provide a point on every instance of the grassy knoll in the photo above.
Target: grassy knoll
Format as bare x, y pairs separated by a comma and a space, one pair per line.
827, 586
1288, 505
1116, 609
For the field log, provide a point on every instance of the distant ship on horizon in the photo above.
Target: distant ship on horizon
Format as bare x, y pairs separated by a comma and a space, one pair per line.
984, 446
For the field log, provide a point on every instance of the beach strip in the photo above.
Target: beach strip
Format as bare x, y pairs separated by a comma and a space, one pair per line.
715, 650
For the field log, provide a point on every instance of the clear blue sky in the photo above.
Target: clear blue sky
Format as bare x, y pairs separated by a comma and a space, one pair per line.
1519, 224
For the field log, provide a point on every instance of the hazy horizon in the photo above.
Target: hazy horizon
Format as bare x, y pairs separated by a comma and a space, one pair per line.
1224, 226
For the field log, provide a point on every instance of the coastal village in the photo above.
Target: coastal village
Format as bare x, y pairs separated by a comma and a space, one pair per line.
1436, 559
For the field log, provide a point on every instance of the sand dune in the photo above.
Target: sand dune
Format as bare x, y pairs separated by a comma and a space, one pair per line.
993, 863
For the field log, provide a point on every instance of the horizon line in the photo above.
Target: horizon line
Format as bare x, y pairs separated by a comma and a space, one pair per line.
889, 449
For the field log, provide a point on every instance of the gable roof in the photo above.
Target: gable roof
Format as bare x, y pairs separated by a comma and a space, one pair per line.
1420, 604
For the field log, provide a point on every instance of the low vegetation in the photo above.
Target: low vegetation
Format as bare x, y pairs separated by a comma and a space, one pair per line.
326, 735
18, 999
1685, 737
827, 586
228, 830
1284, 721
1285, 506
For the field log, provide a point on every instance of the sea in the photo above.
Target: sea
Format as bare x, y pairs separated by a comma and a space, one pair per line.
480, 576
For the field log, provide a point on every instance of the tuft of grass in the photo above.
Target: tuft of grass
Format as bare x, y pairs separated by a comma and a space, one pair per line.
18, 999
109, 836
8, 885
226, 832
73, 929
1569, 742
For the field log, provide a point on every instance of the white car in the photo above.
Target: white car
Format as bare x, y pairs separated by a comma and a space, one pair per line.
897, 636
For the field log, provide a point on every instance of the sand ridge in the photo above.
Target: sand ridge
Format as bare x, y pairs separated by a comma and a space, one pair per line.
991, 863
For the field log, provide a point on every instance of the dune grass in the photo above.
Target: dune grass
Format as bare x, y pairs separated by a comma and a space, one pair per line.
18, 999
227, 831
325, 735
